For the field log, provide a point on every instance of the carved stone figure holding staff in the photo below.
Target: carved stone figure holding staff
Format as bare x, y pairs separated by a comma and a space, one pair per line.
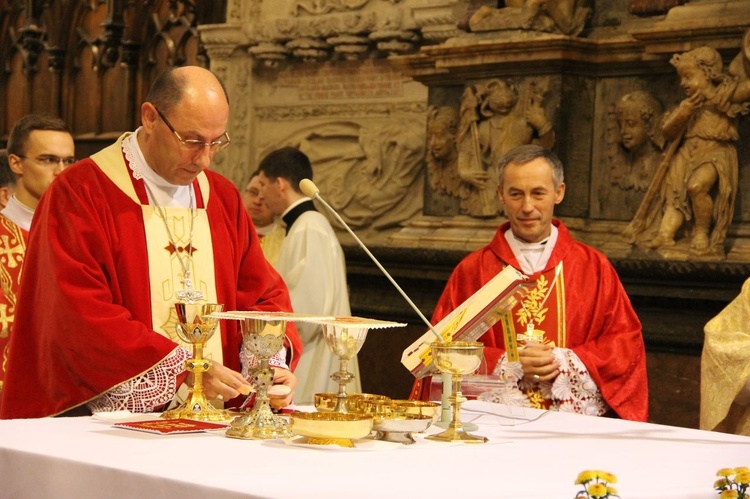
494, 120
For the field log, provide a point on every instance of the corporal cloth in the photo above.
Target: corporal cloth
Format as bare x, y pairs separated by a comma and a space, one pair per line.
587, 311
87, 300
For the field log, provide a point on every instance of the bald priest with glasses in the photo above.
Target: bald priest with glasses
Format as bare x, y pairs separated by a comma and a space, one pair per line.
118, 239
40, 146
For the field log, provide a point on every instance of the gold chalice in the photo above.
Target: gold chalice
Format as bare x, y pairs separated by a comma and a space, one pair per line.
457, 358
194, 326
262, 337
344, 341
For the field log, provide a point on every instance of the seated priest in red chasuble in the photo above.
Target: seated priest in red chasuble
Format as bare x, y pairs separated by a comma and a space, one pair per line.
580, 344
40, 147
117, 240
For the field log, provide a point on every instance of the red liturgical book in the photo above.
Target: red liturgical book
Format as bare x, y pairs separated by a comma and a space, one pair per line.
168, 426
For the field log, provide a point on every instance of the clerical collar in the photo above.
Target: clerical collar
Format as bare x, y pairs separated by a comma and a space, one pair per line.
18, 213
296, 209
532, 257
166, 194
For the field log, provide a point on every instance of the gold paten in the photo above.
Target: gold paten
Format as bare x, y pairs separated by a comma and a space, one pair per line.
457, 358
262, 337
194, 326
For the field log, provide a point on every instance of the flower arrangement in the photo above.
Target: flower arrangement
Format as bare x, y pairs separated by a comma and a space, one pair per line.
596, 485
733, 483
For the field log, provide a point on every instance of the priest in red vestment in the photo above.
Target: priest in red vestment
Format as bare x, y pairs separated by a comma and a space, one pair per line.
581, 347
39, 148
116, 241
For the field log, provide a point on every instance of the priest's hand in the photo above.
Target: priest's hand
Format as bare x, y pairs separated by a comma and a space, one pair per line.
538, 362
282, 398
222, 382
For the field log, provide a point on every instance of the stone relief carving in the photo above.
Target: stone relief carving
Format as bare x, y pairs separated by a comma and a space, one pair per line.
634, 145
495, 119
370, 172
691, 199
351, 35
442, 151
568, 17
317, 7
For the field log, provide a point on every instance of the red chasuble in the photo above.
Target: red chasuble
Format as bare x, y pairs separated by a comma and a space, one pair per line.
12, 250
587, 311
85, 304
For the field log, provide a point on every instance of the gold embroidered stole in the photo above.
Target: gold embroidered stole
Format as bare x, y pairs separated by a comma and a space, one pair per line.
165, 272
12, 253
548, 316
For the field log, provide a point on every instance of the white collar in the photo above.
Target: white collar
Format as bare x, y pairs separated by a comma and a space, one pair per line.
532, 257
166, 194
18, 213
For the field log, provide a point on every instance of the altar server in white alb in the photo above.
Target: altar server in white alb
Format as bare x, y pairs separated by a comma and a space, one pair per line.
312, 264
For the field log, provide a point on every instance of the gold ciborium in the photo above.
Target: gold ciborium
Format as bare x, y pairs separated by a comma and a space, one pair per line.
344, 341
264, 338
194, 326
457, 358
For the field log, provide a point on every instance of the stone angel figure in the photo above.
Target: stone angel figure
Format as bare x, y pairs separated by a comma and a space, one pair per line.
634, 145
693, 193
442, 151
494, 120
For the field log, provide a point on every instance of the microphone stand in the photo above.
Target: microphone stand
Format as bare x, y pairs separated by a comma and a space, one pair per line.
309, 188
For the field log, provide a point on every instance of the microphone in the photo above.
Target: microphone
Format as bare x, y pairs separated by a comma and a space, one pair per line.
311, 190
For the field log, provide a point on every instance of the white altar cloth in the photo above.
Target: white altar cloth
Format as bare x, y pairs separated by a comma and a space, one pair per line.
532, 454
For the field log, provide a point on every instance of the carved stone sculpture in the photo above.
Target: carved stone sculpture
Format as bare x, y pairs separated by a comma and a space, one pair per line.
493, 121
442, 152
568, 17
634, 145
692, 195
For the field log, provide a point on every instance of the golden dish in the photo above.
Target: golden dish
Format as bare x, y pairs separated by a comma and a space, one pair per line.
417, 407
330, 428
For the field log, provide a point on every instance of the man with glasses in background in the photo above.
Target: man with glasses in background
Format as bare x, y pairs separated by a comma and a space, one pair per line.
120, 238
39, 148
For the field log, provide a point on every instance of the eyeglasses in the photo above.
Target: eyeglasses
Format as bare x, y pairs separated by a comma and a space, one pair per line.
197, 145
51, 161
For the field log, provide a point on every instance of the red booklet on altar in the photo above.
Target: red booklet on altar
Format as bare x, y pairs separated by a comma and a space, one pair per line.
469, 320
168, 426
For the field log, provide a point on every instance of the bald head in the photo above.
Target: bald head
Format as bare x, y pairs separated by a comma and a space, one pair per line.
185, 106
187, 82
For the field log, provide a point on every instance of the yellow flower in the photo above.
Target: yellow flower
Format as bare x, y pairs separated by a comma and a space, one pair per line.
725, 472
721, 483
607, 477
611, 490
741, 469
585, 476
743, 478
597, 490
729, 494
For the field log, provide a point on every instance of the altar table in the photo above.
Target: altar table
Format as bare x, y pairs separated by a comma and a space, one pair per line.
530, 454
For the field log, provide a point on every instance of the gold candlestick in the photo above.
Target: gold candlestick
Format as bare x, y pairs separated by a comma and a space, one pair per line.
194, 326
